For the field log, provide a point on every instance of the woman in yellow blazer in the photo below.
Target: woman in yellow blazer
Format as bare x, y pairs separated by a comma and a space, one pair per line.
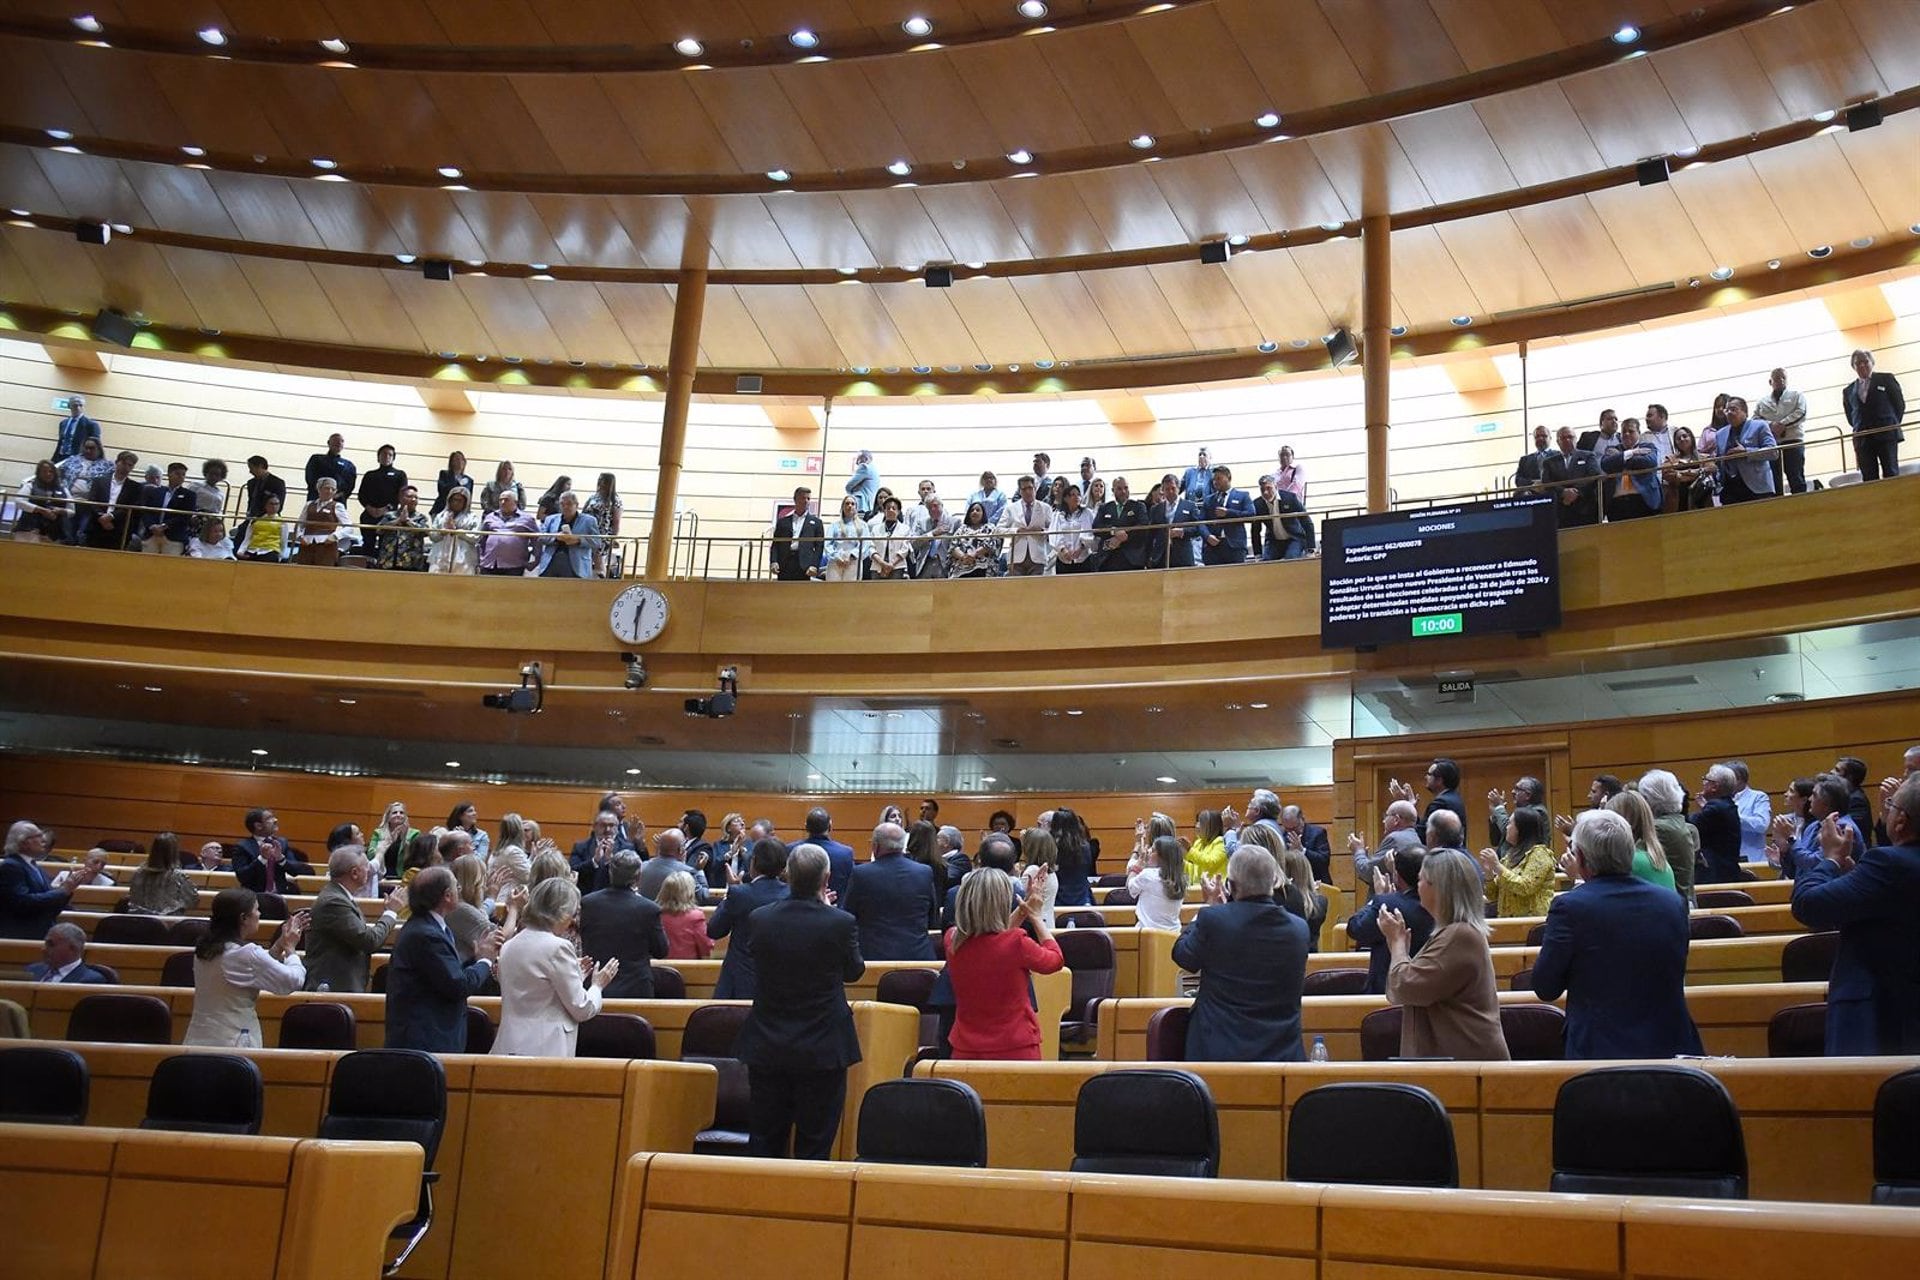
1521, 884
1208, 854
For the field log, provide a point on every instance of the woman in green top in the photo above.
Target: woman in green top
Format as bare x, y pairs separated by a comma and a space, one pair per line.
1649, 850
1521, 884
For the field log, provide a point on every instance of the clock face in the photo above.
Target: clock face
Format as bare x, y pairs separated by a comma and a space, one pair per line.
638, 615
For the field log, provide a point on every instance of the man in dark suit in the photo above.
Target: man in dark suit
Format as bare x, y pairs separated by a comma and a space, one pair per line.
1854, 770
996, 850
1279, 534
1443, 785
616, 921
1718, 822
340, 940
427, 986
839, 856
1224, 542
1395, 887
798, 1040
799, 540
75, 429
1171, 547
332, 464
734, 919
1312, 839
1574, 476
893, 900
173, 530
591, 857
1616, 946
1532, 466
1873, 997
1603, 439
64, 958
1874, 403
105, 520
1251, 955
264, 862
29, 904
1116, 528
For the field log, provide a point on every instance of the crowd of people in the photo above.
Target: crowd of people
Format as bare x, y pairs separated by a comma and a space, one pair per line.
1633, 468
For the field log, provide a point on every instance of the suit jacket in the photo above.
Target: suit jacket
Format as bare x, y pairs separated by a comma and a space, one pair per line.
1884, 406
341, 940
1233, 537
259, 488
542, 998
344, 473
587, 875
1114, 517
1298, 530
182, 506
1313, 838
1754, 465
104, 493
29, 905
427, 988
37, 972
75, 430
1718, 822
1167, 551
1531, 469
1445, 800
1582, 468
250, 869
1364, 928
804, 954
839, 862
1028, 530
790, 565
1873, 997
1251, 955
892, 899
735, 918
1641, 465
1617, 947
655, 871
445, 483
620, 924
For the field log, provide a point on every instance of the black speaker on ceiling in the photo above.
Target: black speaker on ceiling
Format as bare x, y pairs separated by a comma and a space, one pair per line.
1340, 348
1215, 252
747, 384
1865, 115
92, 232
1651, 172
939, 277
436, 269
113, 326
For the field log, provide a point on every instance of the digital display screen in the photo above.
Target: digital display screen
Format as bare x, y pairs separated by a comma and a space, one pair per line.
1477, 569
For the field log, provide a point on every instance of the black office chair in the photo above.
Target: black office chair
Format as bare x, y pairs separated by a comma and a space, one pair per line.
1080, 920
133, 931
121, 1019
615, 1035
480, 1030
1798, 1031
1157, 1121
1704, 927
1653, 1130
914, 988
711, 1030
1809, 957
317, 1024
1167, 1033
177, 970
392, 1095
668, 983
1407, 1142
1534, 1032
1522, 980
1896, 1140
206, 1093
1091, 960
1537, 934
1335, 982
377, 984
1121, 897
42, 1085
727, 1134
1721, 899
1380, 1034
932, 1122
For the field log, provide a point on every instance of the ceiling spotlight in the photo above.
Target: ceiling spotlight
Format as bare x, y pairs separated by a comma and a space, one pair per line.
449, 171
1773, 264
803, 39
334, 45
212, 35
976, 266
1267, 120
688, 47
88, 23
918, 28
1166, 778
1258, 706
1914, 227
778, 175
1268, 347
1820, 251
195, 152
1463, 321
1075, 711
900, 168
321, 162
1298, 344
1027, 173
1822, 117
1238, 238
983, 777
634, 773
1020, 155
331, 177
403, 258
1032, 9
1687, 153
1861, 242
1398, 331
60, 135
1142, 142
1721, 273
69, 148
1332, 226
848, 271
259, 751
1627, 34
453, 764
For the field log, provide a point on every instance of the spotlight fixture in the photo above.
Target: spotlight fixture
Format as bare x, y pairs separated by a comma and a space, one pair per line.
1020, 155
1627, 34
92, 232
1238, 239
1267, 120
848, 271
688, 47
1332, 225
1398, 331
1865, 115
334, 45
778, 175
258, 751
437, 269
939, 277
89, 24
900, 168
1773, 264
449, 171
1463, 321
1141, 142
1824, 117
195, 152
212, 35
1215, 252
1340, 348
1861, 242
60, 135
1652, 172
1033, 9
1721, 273
321, 162
1687, 152
917, 27
1268, 347
723, 701
803, 39
405, 259
1820, 251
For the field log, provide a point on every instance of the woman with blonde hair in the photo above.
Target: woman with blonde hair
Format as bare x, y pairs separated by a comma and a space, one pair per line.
474, 916
390, 838
455, 536
1649, 850
1207, 856
1038, 854
989, 958
549, 864
1295, 890
509, 853
681, 917
542, 998
1448, 992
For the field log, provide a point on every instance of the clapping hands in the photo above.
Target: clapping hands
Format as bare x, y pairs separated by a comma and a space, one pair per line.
1399, 790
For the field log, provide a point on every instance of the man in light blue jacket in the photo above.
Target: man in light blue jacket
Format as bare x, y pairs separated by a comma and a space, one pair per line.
568, 553
864, 483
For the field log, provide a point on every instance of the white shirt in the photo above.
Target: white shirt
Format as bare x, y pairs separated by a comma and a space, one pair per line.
1072, 535
60, 974
199, 548
227, 989
1662, 442
1153, 906
890, 546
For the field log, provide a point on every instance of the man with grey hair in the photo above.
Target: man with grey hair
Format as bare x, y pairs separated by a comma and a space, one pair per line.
669, 856
950, 847
617, 922
572, 536
1616, 946
1874, 406
1396, 832
798, 1040
29, 903
1311, 838
1251, 955
63, 958
1445, 831
1680, 838
1756, 813
1527, 790
1263, 810
340, 940
1718, 823
1909, 765
893, 900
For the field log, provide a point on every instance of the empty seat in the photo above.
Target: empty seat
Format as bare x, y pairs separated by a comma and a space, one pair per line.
392, 1095
1809, 957
121, 1019
668, 983
1798, 1031
936, 1122
711, 1031
1381, 1135
187, 931
205, 1093
1080, 920
1537, 934
1896, 1140
1700, 927
1721, 899
615, 1035
1336, 982
1167, 1033
1380, 1034
177, 971
480, 1030
107, 971
272, 907
1090, 959
1534, 1032
42, 1085
317, 1024
732, 1109
1158, 1121
1120, 897
1522, 980
1654, 1130
133, 931
914, 988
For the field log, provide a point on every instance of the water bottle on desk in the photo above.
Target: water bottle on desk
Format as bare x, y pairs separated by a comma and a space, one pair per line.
1319, 1051
245, 1042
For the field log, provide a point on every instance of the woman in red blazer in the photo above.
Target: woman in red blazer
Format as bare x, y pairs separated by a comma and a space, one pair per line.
989, 956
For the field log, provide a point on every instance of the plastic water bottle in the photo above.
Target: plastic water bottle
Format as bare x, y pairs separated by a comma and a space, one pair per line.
324, 987
1319, 1051
246, 1038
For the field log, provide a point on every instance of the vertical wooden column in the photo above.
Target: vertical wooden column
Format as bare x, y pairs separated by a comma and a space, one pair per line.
1376, 316
683, 355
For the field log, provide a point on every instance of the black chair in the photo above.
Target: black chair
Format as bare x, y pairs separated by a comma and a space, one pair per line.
133, 931
1080, 920
187, 931
1721, 899
272, 907
1534, 1032
914, 988
615, 1035
378, 982
111, 974
206, 1093
177, 971
1701, 927
1158, 1121
1896, 1140
668, 983
1537, 934
711, 1030
1167, 1033
1654, 1130
1379, 1135
392, 1095
933, 1122
732, 1110
480, 1030
1798, 1031
317, 1024
1120, 897
121, 1019
1809, 957
1090, 959
1336, 982
1522, 980
42, 1085
1380, 1034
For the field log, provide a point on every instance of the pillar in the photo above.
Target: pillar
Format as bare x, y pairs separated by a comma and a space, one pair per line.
683, 356
1376, 317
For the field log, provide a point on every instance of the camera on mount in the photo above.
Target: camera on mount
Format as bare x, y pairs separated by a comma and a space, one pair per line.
636, 670
526, 700
722, 703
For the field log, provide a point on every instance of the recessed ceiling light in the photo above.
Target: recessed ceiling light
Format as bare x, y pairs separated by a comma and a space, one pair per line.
212, 35
1914, 227
449, 171
60, 135
349, 702
1331, 225
1142, 142
70, 149
88, 23
900, 168
1238, 239
778, 175
1075, 711
803, 39
334, 45
816, 57
1398, 331
1166, 778
988, 779
21, 213
688, 47
455, 186
1027, 173
1821, 117
1463, 321
1020, 155
1627, 34
453, 764
1861, 242
321, 162
331, 177
1820, 251
1258, 706
848, 271
1267, 120
153, 688
918, 27
633, 773
1773, 264
1032, 9
1722, 273
403, 257
1043, 364
1268, 347
925, 369
976, 266
195, 152
259, 751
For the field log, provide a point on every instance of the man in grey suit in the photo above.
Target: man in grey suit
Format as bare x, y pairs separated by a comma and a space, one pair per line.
618, 922
341, 940
64, 958
669, 856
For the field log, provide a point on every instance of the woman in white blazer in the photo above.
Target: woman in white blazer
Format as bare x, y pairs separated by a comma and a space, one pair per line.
546, 989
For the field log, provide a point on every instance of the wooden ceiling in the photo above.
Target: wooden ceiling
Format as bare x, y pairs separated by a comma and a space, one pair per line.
1514, 196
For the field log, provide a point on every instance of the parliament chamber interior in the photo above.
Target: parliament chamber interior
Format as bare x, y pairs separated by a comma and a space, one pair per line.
1407, 872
